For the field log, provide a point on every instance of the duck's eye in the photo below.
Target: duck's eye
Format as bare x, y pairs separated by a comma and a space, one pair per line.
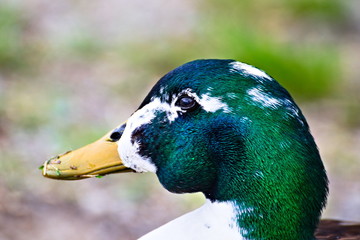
186, 103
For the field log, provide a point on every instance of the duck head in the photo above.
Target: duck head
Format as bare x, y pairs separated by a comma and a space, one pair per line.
228, 130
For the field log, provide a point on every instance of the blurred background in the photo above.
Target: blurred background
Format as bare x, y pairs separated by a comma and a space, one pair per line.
72, 70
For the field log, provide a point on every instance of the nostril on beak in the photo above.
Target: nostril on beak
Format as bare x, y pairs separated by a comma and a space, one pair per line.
117, 133
115, 136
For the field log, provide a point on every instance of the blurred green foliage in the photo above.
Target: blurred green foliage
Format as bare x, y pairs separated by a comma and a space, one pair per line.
327, 10
293, 41
84, 45
309, 69
14, 47
285, 38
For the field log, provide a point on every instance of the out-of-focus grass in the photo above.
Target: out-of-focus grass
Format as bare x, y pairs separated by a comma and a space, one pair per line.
271, 35
16, 49
332, 11
84, 46
306, 71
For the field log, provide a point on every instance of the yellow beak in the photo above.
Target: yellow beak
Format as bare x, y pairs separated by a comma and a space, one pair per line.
94, 160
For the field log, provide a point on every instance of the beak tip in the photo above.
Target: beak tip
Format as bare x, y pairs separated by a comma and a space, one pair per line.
93, 160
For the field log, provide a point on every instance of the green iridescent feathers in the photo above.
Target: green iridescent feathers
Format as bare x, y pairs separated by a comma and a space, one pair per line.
255, 149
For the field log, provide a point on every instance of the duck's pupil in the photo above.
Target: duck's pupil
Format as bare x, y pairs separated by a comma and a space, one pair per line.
186, 103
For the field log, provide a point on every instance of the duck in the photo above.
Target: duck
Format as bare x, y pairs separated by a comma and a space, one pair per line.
232, 132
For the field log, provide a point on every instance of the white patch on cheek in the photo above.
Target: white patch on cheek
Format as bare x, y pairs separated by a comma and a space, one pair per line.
129, 154
128, 151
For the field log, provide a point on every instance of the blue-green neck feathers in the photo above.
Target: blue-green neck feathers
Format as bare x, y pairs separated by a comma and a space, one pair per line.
246, 142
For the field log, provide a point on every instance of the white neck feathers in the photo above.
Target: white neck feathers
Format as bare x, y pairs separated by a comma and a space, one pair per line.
212, 221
